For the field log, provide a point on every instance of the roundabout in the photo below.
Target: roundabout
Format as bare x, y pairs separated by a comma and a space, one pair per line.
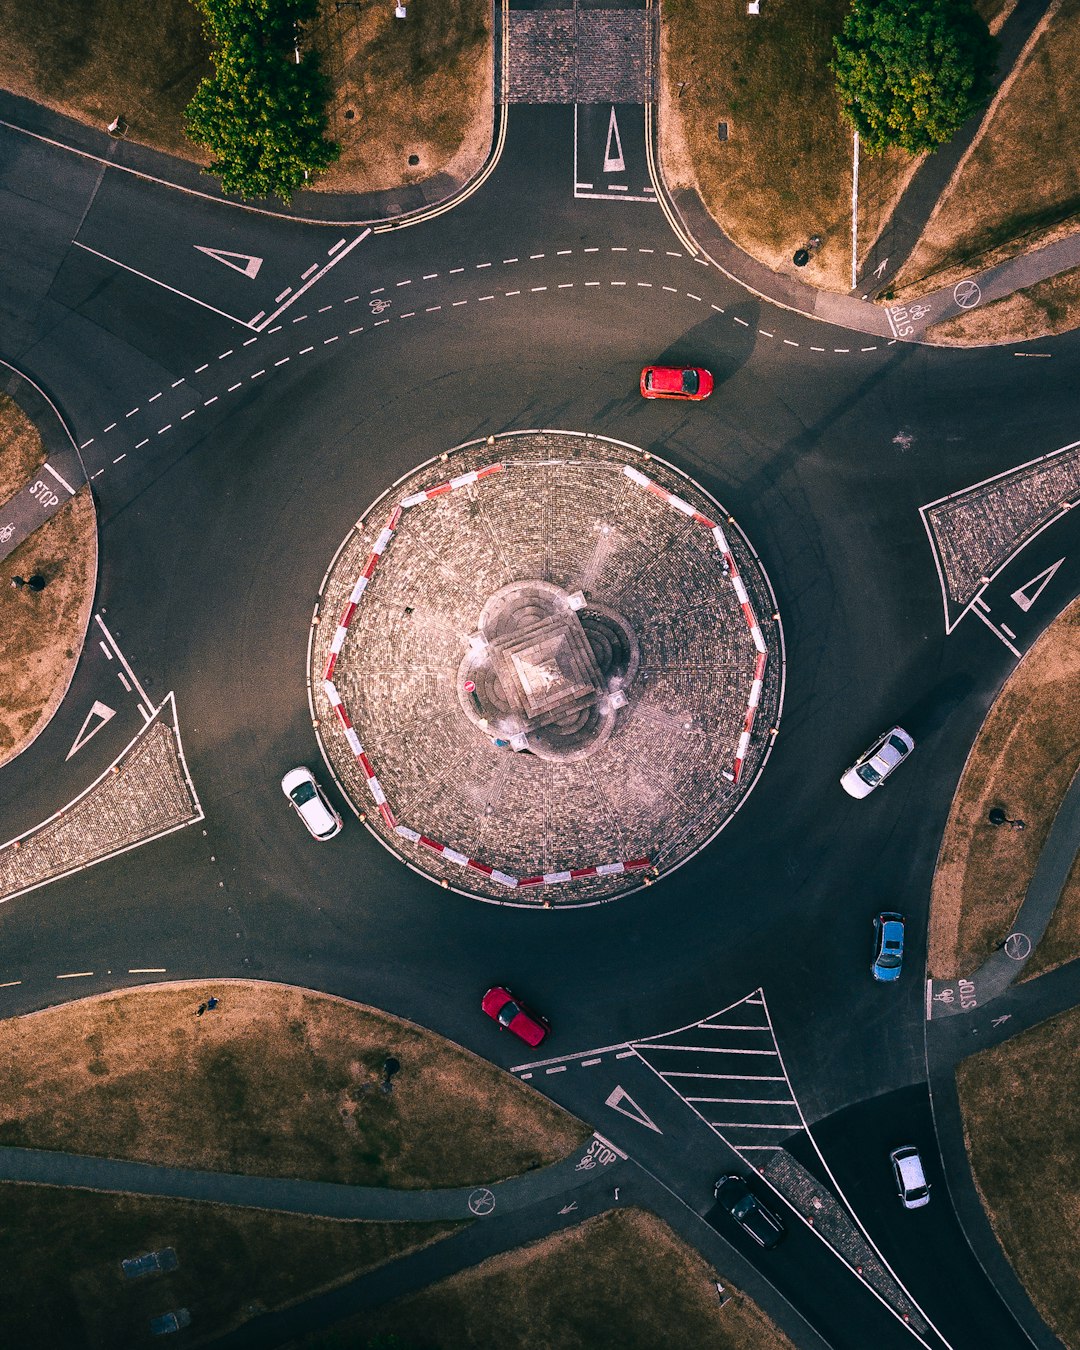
548, 682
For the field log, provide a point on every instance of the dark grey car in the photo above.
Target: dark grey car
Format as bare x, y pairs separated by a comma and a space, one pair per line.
735, 1196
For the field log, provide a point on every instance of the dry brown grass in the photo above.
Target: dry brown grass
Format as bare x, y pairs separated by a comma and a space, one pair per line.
1048, 307
1023, 1135
785, 171
21, 450
621, 1279
1021, 185
275, 1082
44, 631
61, 1251
420, 87
1024, 758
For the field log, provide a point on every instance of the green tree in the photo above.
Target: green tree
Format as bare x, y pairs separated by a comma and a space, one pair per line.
909, 73
262, 116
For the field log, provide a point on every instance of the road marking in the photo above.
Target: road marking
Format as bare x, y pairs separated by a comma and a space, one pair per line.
318, 275
103, 715
997, 632
76, 975
621, 1101
10, 984
334, 247
614, 160
62, 481
183, 294
245, 263
1007, 630
147, 970
588, 1063
120, 457
139, 444
1021, 594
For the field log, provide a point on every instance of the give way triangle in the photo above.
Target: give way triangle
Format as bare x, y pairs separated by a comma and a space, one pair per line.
239, 262
1021, 594
99, 714
613, 151
621, 1101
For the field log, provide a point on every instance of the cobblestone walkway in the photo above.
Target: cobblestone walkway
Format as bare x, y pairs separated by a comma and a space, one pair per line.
820, 1207
580, 56
146, 794
977, 530
563, 510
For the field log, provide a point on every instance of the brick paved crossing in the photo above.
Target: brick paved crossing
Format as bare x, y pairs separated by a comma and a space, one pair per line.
581, 56
148, 796
561, 511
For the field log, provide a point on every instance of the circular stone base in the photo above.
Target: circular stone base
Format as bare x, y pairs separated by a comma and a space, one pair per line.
546, 668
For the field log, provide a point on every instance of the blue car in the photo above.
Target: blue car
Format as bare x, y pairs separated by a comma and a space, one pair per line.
888, 946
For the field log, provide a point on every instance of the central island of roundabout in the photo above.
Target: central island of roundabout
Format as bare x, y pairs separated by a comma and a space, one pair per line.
546, 668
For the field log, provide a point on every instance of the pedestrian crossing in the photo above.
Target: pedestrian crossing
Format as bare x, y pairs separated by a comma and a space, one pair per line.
728, 1070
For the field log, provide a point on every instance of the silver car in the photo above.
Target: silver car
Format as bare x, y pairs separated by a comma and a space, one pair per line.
873, 766
911, 1183
310, 803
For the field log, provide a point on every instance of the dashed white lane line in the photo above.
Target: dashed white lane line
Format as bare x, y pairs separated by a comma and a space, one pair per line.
234, 387
199, 369
430, 276
302, 352
284, 361
206, 404
569, 285
764, 333
154, 399
256, 338
788, 343
509, 260
533, 256
147, 970
76, 975
225, 354
164, 429
130, 414
257, 374
537, 288
10, 984
508, 293
817, 349
141, 443
454, 270
313, 268
742, 321
588, 1063
120, 457
480, 266
557, 1068
177, 383
109, 427
407, 282
841, 349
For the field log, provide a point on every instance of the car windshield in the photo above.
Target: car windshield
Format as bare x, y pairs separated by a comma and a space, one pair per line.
743, 1207
898, 745
869, 774
888, 960
507, 1013
648, 379
690, 382
303, 792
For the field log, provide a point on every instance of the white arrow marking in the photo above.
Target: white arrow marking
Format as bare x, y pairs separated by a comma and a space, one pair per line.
1021, 596
566, 1209
1000, 1021
239, 262
633, 1112
104, 714
613, 163
880, 268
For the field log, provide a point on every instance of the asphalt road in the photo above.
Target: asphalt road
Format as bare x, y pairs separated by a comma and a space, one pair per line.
230, 456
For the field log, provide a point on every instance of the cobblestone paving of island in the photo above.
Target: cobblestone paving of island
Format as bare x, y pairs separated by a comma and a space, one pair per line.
147, 796
977, 531
580, 56
820, 1207
561, 511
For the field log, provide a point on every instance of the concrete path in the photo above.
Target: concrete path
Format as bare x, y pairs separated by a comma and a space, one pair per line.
322, 1199
916, 205
1004, 965
58, 479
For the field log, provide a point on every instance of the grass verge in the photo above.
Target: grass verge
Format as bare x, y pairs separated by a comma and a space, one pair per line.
1020, 187
784, 172
61, 1252
43, 631
419, 89
1023, 1136
1024, 758
621, 1279
277, 1082
1048, 307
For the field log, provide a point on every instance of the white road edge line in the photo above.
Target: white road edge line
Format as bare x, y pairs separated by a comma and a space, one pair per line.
317, 277
164, 285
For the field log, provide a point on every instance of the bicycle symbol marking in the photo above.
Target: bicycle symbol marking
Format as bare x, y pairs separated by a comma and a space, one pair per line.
946, 996
1018, 946
967, 294
919, 311
377, 306
481, 1202
6, 533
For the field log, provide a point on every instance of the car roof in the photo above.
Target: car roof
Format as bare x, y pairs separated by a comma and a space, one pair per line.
668, 378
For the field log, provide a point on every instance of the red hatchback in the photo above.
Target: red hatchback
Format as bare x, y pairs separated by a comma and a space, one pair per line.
667, 382
511, 1015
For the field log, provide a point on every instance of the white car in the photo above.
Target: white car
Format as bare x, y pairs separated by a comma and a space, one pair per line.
309, 802
911, 1183
872, 768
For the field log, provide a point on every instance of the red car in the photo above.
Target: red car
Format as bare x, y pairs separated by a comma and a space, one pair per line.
511, 1015
667, 382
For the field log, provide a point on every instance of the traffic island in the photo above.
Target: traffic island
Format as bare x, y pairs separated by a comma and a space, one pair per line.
546, 669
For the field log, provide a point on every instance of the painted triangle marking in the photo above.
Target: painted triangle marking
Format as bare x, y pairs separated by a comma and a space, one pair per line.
632, 1111
614, 163
239, 262
1021, 596
104, 714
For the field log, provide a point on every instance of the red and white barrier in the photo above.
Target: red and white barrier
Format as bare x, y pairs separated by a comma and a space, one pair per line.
741, 594
462, 480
